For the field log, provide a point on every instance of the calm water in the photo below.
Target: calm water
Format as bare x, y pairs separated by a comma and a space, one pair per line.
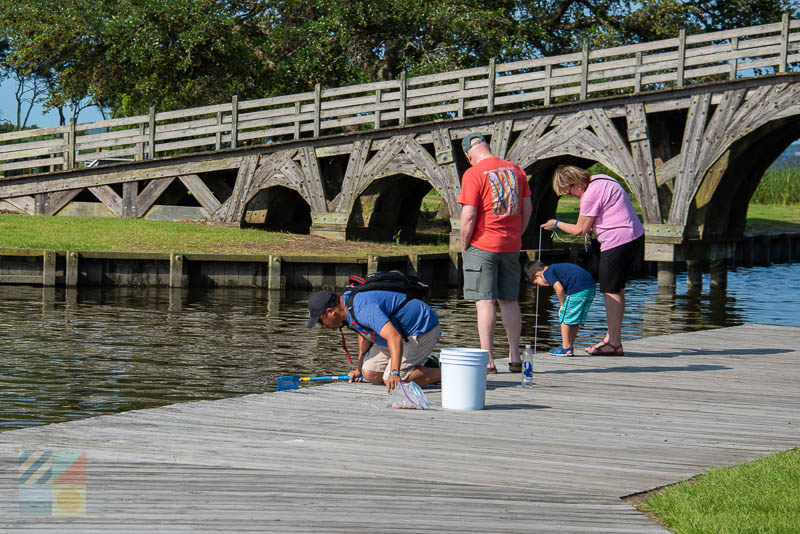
71, 354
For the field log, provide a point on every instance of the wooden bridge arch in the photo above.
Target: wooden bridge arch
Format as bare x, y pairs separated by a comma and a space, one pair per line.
388, 209
719, 206
294, 169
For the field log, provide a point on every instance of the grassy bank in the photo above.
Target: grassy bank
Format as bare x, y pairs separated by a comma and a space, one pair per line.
138, 235
762, 496
763, 218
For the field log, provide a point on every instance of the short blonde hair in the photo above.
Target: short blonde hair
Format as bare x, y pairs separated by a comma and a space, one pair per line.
569, 175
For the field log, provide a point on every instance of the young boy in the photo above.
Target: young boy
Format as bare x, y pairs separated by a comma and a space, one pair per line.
574, 287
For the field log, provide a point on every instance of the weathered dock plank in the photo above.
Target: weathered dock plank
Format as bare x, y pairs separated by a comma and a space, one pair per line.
556, 458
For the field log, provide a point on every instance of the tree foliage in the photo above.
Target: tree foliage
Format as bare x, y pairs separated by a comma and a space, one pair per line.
127, 55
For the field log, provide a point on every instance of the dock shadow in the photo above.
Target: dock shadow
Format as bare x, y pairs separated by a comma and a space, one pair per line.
494, 384
710, 352
516, 407
633, 369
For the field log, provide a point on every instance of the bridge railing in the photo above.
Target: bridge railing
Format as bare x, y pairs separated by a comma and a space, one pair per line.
669, 63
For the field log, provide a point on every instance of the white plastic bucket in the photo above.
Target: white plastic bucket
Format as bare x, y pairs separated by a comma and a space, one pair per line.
463, 378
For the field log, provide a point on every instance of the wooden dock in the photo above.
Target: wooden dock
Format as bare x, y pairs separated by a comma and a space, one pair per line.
556, 458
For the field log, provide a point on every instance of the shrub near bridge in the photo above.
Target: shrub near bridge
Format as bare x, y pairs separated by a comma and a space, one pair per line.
780, 186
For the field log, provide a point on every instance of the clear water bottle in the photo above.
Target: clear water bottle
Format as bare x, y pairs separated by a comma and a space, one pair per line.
527, 367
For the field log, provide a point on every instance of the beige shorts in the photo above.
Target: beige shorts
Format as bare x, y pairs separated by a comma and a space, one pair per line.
415, 351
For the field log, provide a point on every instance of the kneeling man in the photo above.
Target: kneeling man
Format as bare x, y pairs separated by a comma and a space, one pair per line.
396, 334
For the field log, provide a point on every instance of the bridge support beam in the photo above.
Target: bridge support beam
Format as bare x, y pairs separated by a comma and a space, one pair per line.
329, 225
455, 234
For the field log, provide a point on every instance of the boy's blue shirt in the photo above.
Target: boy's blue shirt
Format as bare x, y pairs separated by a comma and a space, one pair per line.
372, 308
571, 276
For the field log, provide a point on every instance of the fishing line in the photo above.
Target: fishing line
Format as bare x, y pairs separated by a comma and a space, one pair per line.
586, 243
536, 324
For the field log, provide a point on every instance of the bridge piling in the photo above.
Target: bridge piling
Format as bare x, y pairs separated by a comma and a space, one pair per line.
666, 277
175, 270
694, 275
719, 274
274, 273
71, 272
49, 268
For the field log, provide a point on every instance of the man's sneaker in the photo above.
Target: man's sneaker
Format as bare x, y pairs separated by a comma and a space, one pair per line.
562, 351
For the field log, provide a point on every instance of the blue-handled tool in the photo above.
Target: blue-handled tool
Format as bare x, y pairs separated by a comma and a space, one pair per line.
293, 382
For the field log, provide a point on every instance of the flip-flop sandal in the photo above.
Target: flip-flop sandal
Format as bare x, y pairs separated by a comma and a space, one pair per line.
491, 370
514, 367
589, 350
601, 350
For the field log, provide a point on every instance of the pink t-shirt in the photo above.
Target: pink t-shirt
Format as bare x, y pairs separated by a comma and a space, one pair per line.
615, 220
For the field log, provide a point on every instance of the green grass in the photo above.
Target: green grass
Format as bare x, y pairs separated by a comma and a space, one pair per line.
138, 235
773, 218
431, 201
758, 497
91, 233
568, 209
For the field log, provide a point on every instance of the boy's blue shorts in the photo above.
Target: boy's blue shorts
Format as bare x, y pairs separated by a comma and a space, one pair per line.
576, 306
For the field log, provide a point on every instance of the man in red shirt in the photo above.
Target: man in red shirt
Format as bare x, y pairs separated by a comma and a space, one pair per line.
495, 209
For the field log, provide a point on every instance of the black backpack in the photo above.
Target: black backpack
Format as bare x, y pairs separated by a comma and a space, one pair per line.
411, 286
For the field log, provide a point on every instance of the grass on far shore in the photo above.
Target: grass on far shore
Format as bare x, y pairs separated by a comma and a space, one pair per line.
773, 218
140, 235
761, 496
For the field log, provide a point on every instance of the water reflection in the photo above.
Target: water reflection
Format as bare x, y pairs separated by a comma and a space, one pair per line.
70, 354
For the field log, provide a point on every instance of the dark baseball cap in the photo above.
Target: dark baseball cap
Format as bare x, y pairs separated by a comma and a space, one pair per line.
466, 143
318, 303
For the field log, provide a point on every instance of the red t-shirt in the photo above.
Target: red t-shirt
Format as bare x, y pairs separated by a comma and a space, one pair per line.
495, 187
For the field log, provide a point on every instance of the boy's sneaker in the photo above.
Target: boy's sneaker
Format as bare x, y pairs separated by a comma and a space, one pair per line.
562, 351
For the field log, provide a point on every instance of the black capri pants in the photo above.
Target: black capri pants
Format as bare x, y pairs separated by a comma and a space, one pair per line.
616, 265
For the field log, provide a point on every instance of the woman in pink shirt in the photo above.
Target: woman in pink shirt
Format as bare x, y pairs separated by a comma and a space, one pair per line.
606, 210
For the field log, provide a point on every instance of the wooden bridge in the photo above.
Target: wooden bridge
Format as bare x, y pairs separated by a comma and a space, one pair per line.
690, 123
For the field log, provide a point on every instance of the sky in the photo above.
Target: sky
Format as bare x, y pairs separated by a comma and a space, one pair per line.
8, 109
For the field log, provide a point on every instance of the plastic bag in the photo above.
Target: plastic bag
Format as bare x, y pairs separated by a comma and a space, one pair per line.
408, 396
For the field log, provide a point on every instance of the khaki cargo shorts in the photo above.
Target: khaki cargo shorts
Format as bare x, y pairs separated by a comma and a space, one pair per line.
491, 275
415, 352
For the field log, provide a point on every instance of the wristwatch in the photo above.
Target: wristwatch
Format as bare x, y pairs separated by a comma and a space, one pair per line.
395, 372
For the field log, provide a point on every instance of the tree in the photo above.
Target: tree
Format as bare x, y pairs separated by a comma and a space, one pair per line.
4, 48
335, 41
128, 55
30, 86
660, 19
131, 54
